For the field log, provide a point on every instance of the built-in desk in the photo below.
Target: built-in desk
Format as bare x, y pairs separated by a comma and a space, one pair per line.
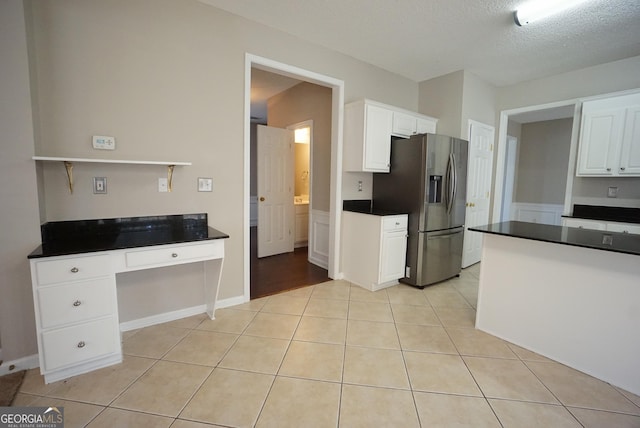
570, 294
73, 275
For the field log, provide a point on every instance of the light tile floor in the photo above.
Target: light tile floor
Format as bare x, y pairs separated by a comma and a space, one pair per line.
332, 355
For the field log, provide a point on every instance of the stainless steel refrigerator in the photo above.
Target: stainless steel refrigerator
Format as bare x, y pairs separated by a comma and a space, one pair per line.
427, 180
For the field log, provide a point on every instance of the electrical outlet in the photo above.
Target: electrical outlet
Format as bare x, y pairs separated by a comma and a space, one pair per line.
612, 192
163, 185
99, 185
359, 185
205, 184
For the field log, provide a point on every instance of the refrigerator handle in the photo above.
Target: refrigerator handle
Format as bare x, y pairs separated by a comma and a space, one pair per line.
454, 168
450, 182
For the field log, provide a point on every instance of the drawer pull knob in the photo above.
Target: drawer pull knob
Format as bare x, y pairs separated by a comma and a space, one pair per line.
622, 168
74, 270
77, 303
81, 344
397, 223
174, 255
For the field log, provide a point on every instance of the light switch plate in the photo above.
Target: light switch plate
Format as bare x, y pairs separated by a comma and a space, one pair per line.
99, 185
612, 192
102, 142
205, 184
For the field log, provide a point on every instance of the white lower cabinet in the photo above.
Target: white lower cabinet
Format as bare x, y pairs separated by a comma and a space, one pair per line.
76, 318
374, 249
301, 232
610, 226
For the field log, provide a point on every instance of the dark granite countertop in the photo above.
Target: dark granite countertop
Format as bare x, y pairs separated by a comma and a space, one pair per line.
603, 213
596, 239
366, 206
61, 238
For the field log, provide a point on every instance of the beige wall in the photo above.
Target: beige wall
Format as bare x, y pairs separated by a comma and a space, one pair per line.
307, 101
478, 103
442, 98
166, 78
600, 79
542, 162
456, 98
19, 216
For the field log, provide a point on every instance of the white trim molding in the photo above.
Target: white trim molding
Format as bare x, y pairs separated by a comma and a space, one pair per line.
24, 363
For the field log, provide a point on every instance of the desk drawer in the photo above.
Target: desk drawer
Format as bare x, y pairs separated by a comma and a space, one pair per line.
394, 223
175, 254
72, 269
71, 345
77, 301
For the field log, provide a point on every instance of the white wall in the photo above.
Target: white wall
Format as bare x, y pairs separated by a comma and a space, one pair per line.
19, 215
442, 98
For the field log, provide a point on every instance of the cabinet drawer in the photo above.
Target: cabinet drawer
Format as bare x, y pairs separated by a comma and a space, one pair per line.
71, 345
77, 301
173, 255
72, 269
394, 223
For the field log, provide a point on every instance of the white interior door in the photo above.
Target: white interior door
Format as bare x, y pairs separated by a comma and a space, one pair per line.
275, 191
480, 170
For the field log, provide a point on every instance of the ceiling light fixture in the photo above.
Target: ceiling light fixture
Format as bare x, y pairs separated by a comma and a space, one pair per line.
538, 9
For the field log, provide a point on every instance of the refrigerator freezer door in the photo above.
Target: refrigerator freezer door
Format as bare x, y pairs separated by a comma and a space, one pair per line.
439, 257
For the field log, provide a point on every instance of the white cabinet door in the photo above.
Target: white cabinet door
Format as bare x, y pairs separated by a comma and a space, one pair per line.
630, 154
600, 138
404, 125
425, 126
367, 137
377, 142
393, 256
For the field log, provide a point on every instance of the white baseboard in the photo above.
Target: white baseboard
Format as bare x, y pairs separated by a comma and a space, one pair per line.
24, 363
161, 318
537, 213
179, 314
231, 301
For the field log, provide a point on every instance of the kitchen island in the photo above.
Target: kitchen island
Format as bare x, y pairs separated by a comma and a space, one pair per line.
572, 295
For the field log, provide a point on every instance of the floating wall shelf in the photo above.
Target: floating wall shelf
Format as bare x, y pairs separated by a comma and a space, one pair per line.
68, 164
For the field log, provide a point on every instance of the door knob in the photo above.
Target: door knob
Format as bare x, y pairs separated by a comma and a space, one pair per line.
261, 198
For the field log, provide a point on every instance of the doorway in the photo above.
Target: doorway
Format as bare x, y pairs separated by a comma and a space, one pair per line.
330, 238
502, 203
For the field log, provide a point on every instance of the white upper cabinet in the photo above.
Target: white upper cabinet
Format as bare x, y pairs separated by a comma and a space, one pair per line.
368, 127
367, 137
610, 137
406, 125
630, 159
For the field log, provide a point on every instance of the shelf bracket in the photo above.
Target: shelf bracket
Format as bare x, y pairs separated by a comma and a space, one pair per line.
170, 176
69, 167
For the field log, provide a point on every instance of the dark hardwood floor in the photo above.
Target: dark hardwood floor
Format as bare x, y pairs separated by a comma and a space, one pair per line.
274, 274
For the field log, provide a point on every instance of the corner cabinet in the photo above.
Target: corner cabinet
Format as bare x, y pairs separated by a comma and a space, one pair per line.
610, 137
374, 249
368, 128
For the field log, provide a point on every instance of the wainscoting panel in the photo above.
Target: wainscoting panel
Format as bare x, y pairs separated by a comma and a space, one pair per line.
537, 213
319, 251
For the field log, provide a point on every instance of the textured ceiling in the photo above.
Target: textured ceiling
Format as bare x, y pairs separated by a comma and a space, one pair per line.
422, 39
